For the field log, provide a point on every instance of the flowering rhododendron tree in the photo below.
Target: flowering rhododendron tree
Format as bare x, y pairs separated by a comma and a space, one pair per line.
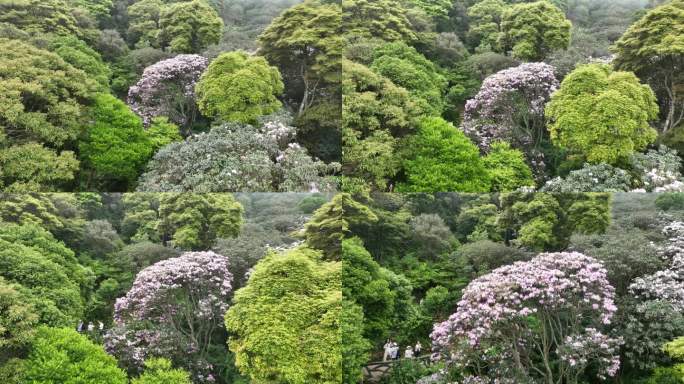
238, 157
666, 285
510, 106
167, 88
542, 320
174, 310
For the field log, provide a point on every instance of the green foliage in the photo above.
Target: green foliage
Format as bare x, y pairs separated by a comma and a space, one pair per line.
143, 22
18, 320
507, 168
61, 355
407, 372
625, 253
98, 8
365, 283
184, 220
653, 48
46, 272
194, 221
77, 53
675, 374
645, 327
161, 132
382, 19
355, 348
285, 323
331, 223
189, 26
311, 203
530, 31
407, 68
484, 256
159, 371
305, 42
179, 26
485, 24
376, 114
115, 147
38, 17
545, 222
435, 8
602, 115
42, 96
591, 178
431, 236
237, 87
670, 201
32, 167
443, 159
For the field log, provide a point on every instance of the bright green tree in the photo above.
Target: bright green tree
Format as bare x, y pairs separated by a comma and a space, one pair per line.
653, 48
382, 19
189, 27
238, 87
18, 321
39, 17
507, 168
100, 9
485, 24
61, 355
331, 223
77, 53
602, 115
305, 42
159, 371
407, 68
355, 348
42, 96
443, 159
366, 283
194, 221
376, 115
531, 31
46, 272
435, 8
115, 147
143, 22
285, 323
32, 167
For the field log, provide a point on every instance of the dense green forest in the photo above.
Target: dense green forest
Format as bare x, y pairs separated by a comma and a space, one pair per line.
382, 95
341, 191
169, 95
496, 95
515, 288
166, 288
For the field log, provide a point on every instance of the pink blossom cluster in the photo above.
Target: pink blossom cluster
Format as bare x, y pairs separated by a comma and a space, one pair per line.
203, 277
174, 308
668, 284
579, 350
167, 88
566, 295
493, 113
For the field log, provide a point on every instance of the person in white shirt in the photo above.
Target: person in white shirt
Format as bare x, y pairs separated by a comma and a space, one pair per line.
408, 354
387, 347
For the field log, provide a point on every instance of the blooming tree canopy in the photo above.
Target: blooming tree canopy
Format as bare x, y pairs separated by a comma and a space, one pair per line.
510, 106
541, 319
666, 285
167, 88
238, 157
174, 309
